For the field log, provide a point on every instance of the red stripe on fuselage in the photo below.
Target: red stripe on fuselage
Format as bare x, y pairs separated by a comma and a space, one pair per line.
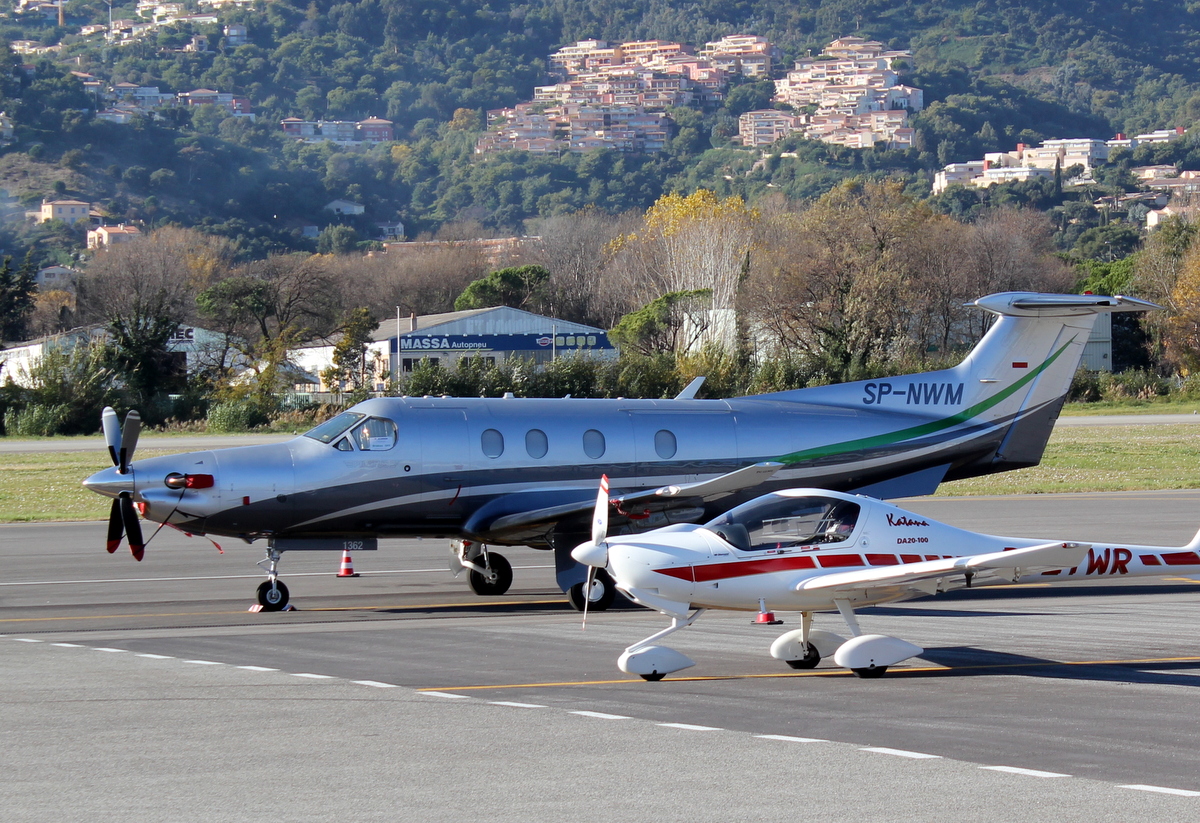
740, 568
1181, 559
1150, 560
839, 561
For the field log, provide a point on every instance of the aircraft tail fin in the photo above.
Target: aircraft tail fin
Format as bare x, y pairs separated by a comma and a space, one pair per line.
1194, 545
1022, 368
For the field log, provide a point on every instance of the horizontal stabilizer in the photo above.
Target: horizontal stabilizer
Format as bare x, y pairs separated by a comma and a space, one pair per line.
1032, 304
1048, 555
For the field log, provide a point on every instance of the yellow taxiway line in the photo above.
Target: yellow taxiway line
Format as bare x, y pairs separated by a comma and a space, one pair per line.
814, 673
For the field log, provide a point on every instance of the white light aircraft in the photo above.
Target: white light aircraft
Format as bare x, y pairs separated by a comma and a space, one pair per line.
488, 472
813, 550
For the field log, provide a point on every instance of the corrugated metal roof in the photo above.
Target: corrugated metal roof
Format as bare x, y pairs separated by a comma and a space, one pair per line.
492, 320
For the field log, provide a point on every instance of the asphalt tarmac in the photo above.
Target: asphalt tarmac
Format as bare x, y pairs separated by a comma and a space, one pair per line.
148, 691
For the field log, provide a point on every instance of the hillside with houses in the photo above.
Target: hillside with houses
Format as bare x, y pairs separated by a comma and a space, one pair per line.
280, 135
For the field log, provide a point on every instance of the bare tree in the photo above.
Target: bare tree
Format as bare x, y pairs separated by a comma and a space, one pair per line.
869, 278
576, 249
143, 290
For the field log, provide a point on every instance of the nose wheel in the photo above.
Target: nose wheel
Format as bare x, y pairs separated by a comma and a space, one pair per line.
272, 593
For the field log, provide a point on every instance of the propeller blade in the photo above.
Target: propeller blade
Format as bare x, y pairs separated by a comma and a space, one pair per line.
112, 433
133, 527
600, 518
587, 595
129, 439
116, 529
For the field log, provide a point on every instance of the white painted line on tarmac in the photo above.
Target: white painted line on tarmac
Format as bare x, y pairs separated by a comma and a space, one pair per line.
257, 669
1026, 772
375, 684
601, 715
517, 705
313, 676
1160, 790
790, 739
901, 753
205, 662
691, 727
27, 640
105, 649
67, 645
447, 694
149, 656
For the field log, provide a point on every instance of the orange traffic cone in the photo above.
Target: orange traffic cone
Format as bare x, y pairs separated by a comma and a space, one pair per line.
347, 569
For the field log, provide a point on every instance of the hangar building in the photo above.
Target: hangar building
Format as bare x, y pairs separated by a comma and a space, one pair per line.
495, 334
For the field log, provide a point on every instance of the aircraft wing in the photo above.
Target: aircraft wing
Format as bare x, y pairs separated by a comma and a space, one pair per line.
521, 525
1045, 556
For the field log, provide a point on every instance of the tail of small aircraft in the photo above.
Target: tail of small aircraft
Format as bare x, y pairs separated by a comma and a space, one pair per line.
1194, 545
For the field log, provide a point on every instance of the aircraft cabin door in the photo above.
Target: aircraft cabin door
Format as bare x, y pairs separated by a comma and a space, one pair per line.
445, 462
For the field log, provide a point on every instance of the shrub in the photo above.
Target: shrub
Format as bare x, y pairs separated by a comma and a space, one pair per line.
234, 416
1139, 384
36, 420
1085, 387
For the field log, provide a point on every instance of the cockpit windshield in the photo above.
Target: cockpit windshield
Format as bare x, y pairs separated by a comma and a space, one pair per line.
777, 521
330, 429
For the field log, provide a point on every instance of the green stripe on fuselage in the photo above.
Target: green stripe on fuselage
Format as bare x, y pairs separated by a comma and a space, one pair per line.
925, 428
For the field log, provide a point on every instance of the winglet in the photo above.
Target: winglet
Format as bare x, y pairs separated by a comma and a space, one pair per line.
689, 393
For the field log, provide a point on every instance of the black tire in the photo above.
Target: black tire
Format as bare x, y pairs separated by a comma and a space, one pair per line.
272, 598
870, 673
810, 660
496, 583
602, 584
654, 678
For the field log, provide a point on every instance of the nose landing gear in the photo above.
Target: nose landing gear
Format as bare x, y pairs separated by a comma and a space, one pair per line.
272, 593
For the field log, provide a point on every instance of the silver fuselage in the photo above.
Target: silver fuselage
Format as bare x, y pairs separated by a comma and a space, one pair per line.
438, 480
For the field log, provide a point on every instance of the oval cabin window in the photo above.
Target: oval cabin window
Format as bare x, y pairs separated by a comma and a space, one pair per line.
593, 444
664, 444
492, 442
536, 443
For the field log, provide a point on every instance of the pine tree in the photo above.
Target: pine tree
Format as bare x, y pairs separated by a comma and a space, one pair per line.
17, 290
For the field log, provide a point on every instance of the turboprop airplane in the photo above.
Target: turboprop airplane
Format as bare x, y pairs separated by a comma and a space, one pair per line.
506, 471
813, 550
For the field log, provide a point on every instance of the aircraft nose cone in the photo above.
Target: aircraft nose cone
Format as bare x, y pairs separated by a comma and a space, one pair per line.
591, 554
109, 482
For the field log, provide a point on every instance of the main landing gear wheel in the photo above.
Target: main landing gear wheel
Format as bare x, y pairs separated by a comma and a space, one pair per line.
498, 579
272, 595
602, 594
871, 673
655, 677
810, 660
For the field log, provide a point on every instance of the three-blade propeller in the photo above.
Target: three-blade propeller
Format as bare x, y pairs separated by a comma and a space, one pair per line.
122, 517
